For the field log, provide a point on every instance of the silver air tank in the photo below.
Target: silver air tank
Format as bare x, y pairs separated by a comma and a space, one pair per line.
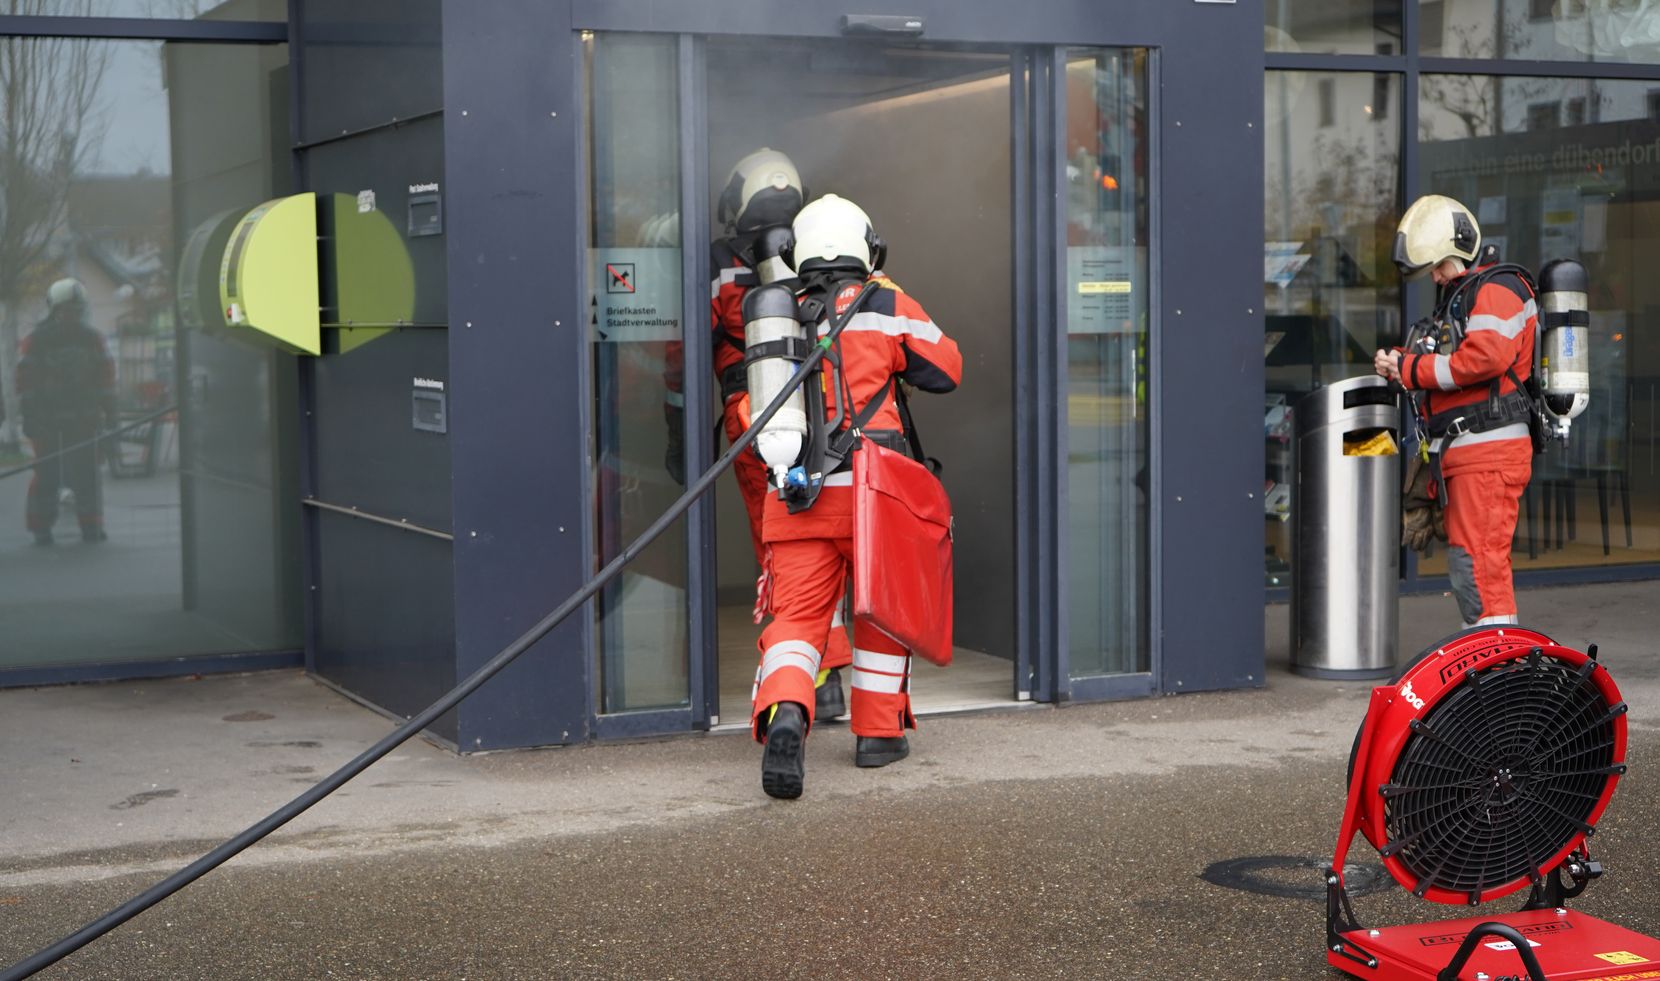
775, 344
1564, 361
770, 244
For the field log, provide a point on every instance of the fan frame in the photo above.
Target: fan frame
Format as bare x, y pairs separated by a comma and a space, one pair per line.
1394, 708
1389, 724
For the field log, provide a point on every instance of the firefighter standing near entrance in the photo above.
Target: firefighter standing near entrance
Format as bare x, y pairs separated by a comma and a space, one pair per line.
66, 383
762, 195
891, 339
1467, 368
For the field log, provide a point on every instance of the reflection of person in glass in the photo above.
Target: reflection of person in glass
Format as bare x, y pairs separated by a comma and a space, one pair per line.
761, 197
889, 340
1469, 362
66, 384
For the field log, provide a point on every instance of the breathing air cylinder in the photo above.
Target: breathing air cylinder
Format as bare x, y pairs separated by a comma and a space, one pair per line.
775, 344
1564, 361
770, 244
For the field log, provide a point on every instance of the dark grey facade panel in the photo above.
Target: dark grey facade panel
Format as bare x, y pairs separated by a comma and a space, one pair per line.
517, 351
368, 453
388, 162
384, 612
368, 62
1208, 355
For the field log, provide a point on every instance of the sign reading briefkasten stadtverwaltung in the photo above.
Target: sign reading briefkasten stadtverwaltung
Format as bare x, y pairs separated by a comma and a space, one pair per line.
636, 294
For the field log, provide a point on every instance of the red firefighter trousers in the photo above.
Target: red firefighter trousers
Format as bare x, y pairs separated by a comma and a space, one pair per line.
1481, 520
809, 576
753, 488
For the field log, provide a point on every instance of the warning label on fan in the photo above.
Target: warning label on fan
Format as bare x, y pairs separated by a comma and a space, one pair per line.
1622, 957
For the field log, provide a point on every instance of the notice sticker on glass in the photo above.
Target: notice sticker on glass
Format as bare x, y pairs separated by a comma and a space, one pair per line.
1103, 297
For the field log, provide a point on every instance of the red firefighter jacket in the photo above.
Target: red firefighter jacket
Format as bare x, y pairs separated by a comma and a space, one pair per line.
890, 337
1497, 342
733, 278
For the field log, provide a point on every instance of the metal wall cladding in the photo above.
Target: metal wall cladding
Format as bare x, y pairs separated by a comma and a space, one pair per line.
369, 455
368, 62
385, 616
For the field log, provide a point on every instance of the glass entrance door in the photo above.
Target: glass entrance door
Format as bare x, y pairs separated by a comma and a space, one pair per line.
971, 175
920, 137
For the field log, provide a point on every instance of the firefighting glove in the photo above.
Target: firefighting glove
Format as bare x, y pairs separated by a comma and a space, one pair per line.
674, 457
1422, 518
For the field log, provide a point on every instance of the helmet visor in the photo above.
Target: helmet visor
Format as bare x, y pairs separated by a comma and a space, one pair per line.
1403, 262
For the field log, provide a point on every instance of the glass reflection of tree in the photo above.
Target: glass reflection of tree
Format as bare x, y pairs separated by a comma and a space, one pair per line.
1477, 101
49, 90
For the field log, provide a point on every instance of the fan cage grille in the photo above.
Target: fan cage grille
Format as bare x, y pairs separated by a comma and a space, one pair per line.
1502, 775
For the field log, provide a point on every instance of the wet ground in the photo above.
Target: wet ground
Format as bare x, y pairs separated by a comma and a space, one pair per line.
1100, 841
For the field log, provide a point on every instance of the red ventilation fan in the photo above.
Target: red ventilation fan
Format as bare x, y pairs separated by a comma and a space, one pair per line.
1482, 770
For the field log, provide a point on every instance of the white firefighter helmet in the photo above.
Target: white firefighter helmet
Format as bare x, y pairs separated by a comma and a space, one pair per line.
763, 189
66, 290
1435, 229
834, 231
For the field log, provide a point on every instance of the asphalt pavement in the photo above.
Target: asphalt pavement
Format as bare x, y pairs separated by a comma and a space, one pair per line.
1093, 841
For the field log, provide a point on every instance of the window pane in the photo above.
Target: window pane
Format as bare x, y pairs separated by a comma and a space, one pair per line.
1543, 30
269, 10
1106, 368
1542, 191
1332, 176
1333, 26
168, 536
634, 286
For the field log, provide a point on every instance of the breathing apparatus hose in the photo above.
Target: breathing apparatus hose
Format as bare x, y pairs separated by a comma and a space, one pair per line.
282, 815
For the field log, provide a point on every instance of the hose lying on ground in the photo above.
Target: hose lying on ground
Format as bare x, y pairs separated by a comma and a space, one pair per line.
282, 815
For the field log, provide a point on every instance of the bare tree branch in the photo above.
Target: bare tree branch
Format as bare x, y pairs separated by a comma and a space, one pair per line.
49, 92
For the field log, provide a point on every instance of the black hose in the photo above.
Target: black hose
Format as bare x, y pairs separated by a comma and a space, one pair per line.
83, 444
282, 815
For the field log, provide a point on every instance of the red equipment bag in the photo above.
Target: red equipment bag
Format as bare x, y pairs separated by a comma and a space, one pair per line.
902, 551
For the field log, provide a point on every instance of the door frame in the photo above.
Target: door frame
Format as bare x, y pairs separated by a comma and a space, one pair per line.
1202, 493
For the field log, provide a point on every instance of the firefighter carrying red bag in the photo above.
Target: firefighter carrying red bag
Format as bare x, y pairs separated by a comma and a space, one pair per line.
762, 196
846, 425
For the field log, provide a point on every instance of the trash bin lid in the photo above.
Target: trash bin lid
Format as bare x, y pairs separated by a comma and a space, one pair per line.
1364, 401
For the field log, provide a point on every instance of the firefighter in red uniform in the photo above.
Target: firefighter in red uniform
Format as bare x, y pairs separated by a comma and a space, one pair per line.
1470, 365
763, 193
889, 340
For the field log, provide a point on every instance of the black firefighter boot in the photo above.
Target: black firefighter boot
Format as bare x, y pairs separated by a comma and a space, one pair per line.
784, 757
880, 750
829, 703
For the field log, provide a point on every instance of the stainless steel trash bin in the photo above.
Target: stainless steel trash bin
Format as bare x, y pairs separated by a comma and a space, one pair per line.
1345, 531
